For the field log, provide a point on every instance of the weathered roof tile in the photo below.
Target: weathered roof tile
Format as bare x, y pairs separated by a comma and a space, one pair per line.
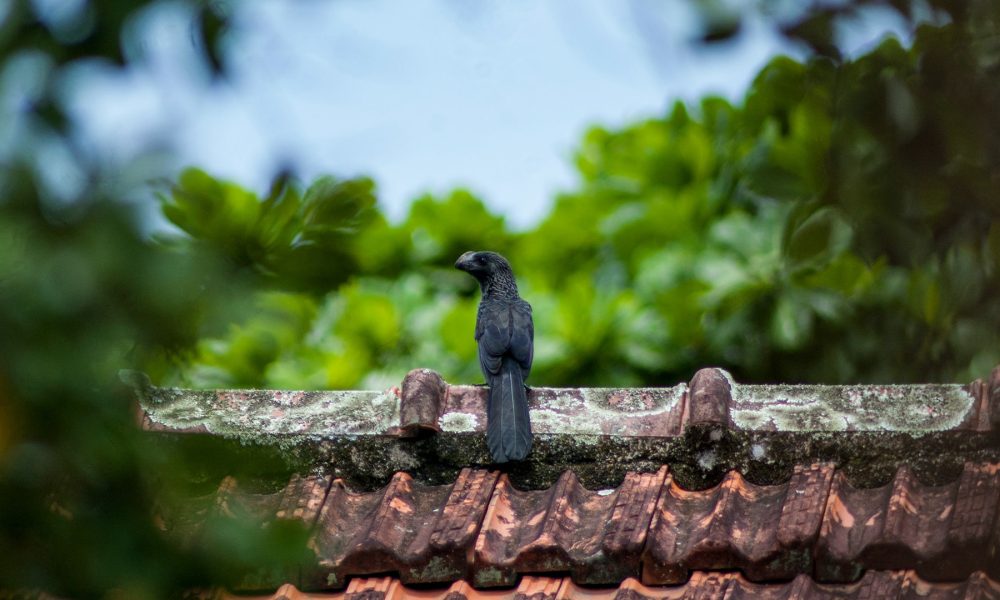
802, 510
767, 531
994, 398
875, 585
596, 536
909, 525
299, 501
976, 506
420, 532
484, 529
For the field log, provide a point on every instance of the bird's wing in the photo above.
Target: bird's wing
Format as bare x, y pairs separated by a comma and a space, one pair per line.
493, 332
522, 339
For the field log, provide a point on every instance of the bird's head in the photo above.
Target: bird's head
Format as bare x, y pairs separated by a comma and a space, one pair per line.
482, 265
496, 279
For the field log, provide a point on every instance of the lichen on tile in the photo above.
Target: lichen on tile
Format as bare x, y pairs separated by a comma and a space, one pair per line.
459, 422
849, 408
250, 414
550, 421
633, 401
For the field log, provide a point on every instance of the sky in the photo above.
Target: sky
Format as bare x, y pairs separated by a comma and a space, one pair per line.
423, 95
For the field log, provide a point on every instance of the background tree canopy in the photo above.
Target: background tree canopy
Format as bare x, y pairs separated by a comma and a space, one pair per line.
838, 225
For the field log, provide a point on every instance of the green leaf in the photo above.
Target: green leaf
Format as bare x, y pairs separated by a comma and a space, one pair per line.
791, 323
818, 237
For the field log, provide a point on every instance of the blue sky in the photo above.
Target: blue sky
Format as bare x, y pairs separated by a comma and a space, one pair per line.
422, 95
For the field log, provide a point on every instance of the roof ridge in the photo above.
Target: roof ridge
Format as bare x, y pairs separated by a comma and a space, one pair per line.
425, 401
703, 429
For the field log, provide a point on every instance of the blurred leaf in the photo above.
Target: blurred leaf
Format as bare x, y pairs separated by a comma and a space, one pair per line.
297, 241
211, 24
816, 30
815, 236
792, 323
443, 228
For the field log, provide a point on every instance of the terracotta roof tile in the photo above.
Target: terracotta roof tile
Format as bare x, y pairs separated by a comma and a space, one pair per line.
300, 501
975, 506
421, 532
993, 406
483, 529
902, 585
768, 531
907, 525
596, 536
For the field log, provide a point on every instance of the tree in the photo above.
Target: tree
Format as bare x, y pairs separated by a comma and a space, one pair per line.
84, 293
839, 225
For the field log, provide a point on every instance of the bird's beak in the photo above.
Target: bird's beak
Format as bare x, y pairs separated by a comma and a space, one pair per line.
463, 261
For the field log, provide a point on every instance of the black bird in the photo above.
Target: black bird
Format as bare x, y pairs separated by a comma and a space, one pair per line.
505, 335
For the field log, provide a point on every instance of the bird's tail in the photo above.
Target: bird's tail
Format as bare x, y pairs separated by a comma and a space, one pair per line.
508, 429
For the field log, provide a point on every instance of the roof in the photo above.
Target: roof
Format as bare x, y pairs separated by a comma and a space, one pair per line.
483, 529
713, 486
903, 585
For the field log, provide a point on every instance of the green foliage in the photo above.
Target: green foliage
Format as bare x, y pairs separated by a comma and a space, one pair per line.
838, 226
80, 292
83, 293
301, 240
442, 229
